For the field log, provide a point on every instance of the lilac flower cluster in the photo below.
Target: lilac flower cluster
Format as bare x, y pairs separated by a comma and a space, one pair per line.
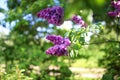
78, 20
60, 45
116, 12
53, 15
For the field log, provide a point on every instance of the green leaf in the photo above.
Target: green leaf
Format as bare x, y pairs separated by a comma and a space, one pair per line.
107, 77
81, 40
76, 46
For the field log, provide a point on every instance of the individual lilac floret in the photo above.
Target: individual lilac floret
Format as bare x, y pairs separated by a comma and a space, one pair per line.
117, 5
112, 13
113, 3
60, 45
66, 42
78, 20
53, 15
58, 50
116, 12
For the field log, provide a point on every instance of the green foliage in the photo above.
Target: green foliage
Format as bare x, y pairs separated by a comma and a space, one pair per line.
112, 54
110, 40
15, 74
21, 46
108, 77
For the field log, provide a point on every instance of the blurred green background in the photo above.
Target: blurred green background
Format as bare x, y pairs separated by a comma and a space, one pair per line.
22, 51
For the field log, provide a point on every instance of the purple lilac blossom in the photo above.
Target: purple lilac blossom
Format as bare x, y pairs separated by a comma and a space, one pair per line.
53, 15
66, 42
60, 45
58, 50
112, 13
117, 5
116, 12
57, 40
78, 20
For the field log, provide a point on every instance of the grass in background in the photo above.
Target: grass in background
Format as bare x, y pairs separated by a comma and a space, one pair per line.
93, 54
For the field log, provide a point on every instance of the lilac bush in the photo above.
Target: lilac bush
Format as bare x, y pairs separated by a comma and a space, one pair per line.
53, 15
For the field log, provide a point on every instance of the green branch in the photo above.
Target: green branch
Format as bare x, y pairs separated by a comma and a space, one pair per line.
101, 42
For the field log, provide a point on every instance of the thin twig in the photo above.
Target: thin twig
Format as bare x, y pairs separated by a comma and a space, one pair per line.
101, 42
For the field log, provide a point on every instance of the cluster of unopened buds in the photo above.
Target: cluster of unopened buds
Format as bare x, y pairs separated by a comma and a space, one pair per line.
116, 12
54, 15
